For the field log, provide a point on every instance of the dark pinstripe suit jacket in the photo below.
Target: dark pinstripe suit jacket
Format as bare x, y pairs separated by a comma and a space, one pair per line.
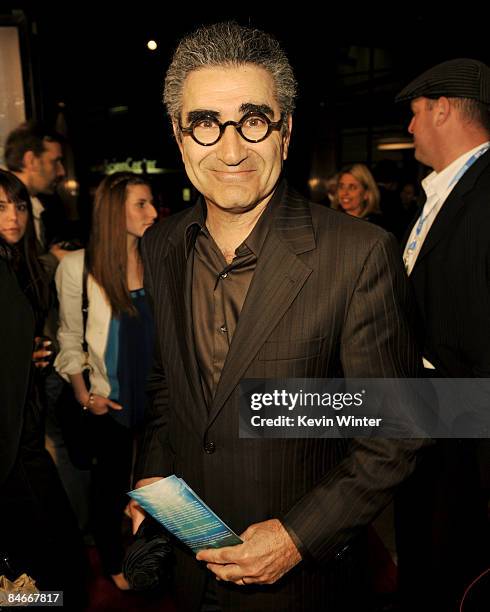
451, 279
329, 296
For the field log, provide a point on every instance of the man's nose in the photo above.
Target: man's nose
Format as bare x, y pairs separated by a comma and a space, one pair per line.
60, 171
231, 147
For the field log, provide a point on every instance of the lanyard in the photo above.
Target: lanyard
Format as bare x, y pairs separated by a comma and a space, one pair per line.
420, 224
469, 163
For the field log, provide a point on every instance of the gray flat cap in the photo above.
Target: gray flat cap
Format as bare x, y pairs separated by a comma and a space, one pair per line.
458, 78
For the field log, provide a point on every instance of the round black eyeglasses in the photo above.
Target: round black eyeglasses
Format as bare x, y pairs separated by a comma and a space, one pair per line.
252, 127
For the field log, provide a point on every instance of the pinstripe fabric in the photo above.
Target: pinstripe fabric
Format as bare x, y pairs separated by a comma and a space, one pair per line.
451, 279
329, 297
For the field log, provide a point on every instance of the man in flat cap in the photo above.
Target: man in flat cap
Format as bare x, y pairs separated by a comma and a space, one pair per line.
447, 256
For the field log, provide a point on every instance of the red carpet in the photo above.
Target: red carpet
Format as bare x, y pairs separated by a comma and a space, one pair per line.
105, 596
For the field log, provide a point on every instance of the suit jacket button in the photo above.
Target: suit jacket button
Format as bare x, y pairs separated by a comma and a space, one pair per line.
209, 448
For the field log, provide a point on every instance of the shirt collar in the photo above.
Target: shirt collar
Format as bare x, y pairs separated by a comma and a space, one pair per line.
438, 183
37, 207
254, 241
197, 220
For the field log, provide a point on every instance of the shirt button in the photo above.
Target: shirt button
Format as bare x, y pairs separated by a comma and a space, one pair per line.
223, 329
209, 448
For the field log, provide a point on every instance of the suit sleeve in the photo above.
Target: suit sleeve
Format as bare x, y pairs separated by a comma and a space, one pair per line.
376, 343
154, 457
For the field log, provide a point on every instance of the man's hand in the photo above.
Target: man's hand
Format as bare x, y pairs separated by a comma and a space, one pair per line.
267, 553
133, 509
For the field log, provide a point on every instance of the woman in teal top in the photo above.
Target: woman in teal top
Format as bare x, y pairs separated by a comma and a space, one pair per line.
119, 335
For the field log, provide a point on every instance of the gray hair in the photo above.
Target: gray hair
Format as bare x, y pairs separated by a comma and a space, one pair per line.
228, 44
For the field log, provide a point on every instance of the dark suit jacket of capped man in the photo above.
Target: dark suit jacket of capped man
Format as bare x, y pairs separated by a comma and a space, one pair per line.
448, 258
328, 297
451, 283
451, 279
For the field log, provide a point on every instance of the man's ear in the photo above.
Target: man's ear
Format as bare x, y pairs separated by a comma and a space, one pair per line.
30, 161
442, 110
286, 137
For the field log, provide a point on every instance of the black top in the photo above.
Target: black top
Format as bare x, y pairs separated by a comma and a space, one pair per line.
135, 355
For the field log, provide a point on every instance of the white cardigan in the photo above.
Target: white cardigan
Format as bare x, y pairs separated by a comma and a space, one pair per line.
71, 359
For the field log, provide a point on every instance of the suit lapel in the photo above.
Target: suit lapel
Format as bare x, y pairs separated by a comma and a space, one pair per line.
178, 268
452, 207
278, 278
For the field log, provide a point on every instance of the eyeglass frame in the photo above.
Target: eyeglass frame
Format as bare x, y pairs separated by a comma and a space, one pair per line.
271, 126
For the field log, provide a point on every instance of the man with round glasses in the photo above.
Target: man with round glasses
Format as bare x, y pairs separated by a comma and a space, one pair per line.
254, 126
255, 282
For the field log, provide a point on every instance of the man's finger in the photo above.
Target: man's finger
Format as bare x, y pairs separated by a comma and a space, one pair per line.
138, 516
227, 554
228, 572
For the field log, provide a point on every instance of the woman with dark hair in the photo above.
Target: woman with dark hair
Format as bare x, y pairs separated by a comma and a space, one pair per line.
38, 531
17, 231
119, 339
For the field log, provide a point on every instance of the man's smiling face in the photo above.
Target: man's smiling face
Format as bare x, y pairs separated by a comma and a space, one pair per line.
233, 174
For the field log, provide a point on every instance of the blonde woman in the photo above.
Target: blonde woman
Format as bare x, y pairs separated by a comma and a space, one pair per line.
357, 194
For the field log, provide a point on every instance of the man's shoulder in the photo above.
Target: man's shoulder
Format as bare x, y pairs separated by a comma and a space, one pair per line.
167, 231
476, 181
324, 215
335, 233
482, 182
474, 196
327, 221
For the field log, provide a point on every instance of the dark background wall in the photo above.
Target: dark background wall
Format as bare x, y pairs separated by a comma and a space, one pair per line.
93, 60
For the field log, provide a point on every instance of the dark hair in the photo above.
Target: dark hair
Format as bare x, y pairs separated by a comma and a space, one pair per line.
24, 255
229, 44
107, 247
29, 136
